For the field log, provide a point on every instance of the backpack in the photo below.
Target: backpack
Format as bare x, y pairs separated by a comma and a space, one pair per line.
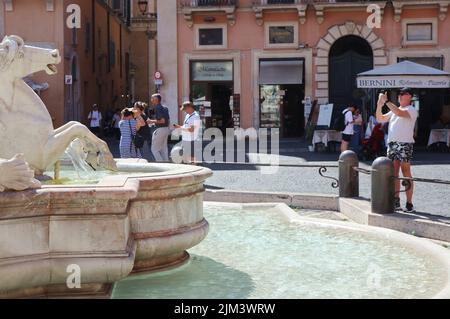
339, 123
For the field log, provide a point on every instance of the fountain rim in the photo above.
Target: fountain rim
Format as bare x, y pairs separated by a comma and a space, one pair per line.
175, 172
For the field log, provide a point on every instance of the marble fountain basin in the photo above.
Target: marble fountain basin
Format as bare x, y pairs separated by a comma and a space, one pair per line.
143, 218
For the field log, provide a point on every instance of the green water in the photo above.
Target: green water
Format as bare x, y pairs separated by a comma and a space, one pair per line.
256, 254
71, 177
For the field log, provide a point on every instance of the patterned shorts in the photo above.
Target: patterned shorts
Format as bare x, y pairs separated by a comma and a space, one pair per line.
402, 152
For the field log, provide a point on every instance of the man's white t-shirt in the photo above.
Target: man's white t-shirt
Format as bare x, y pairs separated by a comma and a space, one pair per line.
192, 119
401, 129
348, 122
95, 117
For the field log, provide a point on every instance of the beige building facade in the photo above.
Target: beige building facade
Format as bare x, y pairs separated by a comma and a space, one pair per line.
264, 63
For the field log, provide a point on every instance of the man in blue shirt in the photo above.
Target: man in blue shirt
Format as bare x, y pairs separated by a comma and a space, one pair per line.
161, 134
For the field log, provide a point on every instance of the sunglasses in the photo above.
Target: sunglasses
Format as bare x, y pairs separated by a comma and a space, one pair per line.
404, 93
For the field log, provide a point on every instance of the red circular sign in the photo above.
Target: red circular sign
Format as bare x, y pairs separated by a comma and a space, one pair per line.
158, 75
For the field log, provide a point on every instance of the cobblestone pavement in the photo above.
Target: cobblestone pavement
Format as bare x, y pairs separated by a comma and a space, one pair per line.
428, 198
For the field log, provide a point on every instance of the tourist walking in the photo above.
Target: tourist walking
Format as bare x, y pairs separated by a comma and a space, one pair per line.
400, 140
190, 132
128, 128
347, 133
95, 119
162, 131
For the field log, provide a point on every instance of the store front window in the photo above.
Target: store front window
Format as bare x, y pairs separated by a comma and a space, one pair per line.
281, 93
211, 91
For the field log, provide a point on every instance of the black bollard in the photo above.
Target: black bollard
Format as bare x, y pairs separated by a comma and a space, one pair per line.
383, 186
348, 177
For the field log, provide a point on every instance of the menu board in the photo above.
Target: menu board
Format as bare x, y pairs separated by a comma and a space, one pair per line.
325, 114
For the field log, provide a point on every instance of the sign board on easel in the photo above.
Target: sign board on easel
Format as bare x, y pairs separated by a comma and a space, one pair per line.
325, 114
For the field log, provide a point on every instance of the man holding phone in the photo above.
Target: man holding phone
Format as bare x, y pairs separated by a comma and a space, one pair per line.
190, 131
402, 121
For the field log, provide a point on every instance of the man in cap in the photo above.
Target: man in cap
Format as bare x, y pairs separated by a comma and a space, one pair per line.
402, 121
190, 131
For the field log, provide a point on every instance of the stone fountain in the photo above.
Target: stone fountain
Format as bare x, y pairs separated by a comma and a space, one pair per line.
77, 240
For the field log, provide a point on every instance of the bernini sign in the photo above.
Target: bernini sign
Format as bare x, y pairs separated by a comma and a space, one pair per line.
431, 82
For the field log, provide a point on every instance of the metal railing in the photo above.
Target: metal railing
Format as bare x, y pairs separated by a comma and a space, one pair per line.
382, 181
322, 168
424, 180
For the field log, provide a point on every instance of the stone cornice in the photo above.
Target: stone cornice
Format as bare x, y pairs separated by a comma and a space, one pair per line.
300, 8
321, 7
146, 24
400, 4
188, 13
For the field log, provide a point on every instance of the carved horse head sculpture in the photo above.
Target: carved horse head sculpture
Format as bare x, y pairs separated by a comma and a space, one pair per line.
22, 60
26, 126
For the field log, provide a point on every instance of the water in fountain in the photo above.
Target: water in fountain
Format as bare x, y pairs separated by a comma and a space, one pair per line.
79, 171
78, 157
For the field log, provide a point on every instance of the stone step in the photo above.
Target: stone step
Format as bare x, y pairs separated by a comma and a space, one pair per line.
418, 224
305, 201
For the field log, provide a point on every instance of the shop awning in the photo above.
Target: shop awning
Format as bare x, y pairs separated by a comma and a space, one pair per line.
279, 72
403, 74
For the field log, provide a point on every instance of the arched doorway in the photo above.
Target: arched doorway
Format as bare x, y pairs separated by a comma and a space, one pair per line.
348, 56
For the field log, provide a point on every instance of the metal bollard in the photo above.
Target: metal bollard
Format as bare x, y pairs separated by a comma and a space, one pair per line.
348, 177
383, 187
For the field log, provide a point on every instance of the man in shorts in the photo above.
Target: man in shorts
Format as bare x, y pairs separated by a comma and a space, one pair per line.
400, 140
348, 132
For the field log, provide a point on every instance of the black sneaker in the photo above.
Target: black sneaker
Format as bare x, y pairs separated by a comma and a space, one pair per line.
397, 205
409, 208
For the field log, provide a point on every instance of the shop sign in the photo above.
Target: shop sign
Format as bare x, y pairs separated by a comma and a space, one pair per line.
68, 79
281, 34
423, 82
212, 71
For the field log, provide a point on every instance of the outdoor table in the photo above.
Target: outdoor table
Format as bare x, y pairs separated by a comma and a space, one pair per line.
439, 135
325, 136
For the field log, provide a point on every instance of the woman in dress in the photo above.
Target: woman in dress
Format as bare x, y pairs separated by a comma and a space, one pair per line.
128, 128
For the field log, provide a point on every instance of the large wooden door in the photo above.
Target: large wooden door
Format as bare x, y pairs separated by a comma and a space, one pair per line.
344, 69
